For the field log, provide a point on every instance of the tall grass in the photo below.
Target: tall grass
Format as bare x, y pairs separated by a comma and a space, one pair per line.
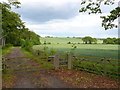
6, 50
96, 50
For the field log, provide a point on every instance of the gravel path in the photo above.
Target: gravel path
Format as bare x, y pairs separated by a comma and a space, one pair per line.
28, 78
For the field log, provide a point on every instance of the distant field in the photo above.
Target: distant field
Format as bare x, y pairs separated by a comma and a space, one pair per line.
63, 40
91, 50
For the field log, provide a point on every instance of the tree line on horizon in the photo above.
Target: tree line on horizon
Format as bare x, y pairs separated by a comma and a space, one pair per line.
90, 40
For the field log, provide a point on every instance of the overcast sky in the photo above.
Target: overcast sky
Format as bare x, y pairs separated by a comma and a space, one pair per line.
62, 18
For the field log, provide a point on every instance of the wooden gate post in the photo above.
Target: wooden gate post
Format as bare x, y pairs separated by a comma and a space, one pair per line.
69, 61
56, 62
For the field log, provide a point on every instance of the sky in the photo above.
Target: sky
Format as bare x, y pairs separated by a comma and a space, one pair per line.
61, 18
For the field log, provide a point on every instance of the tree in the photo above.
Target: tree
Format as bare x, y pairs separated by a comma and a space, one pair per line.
84, 40
14, 29
11, 22
95, 40
88, 40
117, 41
94, 7
111, 41
69, 43
108, 41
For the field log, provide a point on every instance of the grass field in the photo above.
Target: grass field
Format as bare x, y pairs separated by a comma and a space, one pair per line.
63, 40
92, 50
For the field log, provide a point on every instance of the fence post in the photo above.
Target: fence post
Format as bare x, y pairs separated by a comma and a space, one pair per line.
69, 61
56, 62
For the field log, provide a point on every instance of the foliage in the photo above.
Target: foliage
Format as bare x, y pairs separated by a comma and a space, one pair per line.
49, 42
6, 50
27, 44
44, 42
69, 43
111, 41
89, 40
14, 30
94, 7
7, 46
52, 52
60, 40
26, 52
95, 40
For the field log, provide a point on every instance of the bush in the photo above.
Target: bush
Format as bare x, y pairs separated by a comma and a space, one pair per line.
8, 45
44, 42
69, 43
27, 45
49, 42
52, 52
75, 46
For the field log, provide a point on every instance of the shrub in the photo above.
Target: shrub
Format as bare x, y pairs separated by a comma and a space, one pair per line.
49, 42
44, 42
69, 43
27, 45
8, 45
52, 52
75, 46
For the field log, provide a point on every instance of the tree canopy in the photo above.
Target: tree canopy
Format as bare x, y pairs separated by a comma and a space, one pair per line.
111, 41
89, 40
94, 7
14, 30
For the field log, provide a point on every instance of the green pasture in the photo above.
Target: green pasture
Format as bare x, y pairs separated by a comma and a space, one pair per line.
59, 45
93, 51
64, 40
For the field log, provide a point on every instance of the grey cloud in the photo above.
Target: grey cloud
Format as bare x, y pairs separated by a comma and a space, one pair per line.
41, 13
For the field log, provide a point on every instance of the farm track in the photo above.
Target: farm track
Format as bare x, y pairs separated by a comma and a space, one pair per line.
31, 75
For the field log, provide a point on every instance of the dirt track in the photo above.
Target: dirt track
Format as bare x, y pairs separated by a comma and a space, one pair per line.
23, 69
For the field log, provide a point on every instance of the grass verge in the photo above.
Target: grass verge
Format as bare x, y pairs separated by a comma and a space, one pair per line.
43, 63
7, 76
6, 50
27, 53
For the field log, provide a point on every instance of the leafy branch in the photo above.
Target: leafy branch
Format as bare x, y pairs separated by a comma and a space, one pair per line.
94, 7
